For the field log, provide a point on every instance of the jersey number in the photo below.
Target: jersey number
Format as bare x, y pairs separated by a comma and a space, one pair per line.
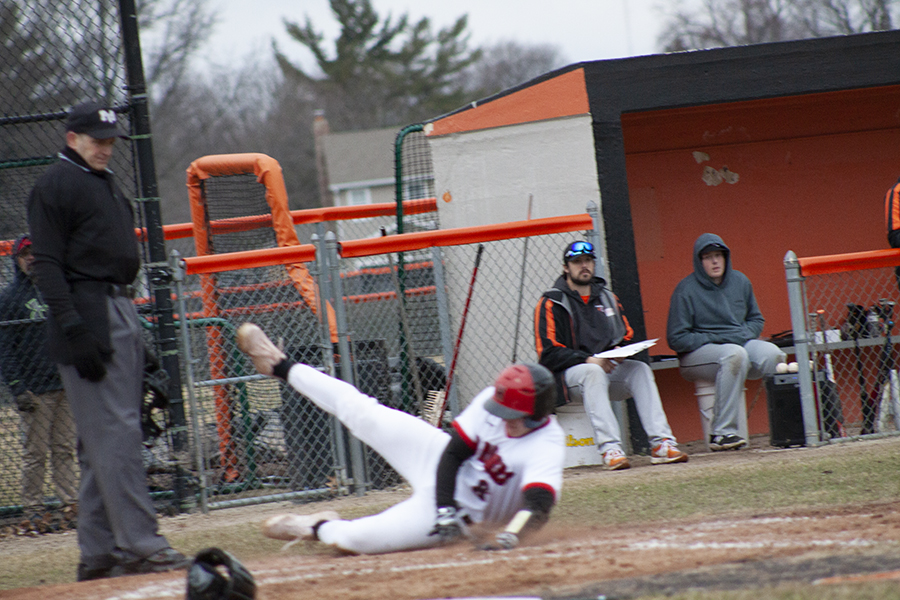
493, 464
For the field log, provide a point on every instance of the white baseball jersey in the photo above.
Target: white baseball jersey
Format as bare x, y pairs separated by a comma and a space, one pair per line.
490, 483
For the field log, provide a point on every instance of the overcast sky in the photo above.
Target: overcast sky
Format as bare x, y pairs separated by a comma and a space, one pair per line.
582, 29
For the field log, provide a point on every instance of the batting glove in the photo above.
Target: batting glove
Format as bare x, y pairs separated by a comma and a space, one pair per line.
503, 541
448, 525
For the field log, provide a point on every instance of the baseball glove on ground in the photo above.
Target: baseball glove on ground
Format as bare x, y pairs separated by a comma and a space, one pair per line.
205, 581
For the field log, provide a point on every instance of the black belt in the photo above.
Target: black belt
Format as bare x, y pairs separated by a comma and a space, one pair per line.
120, 290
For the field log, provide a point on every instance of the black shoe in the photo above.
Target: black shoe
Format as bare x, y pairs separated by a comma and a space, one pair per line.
726, 442
160, 561
101, 570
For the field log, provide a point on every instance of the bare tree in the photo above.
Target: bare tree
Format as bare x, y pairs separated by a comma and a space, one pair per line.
718, 23
507, 64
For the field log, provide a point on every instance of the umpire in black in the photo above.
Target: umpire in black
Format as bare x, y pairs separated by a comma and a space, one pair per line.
85, 258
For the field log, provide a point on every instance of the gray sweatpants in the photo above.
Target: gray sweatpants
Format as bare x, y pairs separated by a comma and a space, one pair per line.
729, 365
631, 378
115, 514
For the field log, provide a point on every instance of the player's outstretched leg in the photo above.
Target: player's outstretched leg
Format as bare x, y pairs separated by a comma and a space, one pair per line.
292, 528
257, 345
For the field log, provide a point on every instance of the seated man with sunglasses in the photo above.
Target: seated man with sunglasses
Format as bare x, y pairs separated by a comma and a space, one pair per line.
578, 318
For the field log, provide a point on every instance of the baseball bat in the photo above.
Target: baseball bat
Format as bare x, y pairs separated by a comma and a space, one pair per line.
889, 391
521, 287
462, 327
834, 423
857, 319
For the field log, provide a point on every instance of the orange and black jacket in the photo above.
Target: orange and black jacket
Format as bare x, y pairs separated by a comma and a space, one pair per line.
568, 330
892, 215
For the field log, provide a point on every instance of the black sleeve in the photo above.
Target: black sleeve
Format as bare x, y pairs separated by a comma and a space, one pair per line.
454, 454
539, 501
48, 223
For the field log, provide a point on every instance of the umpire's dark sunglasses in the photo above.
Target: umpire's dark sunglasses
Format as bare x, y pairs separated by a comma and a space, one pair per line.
580, 249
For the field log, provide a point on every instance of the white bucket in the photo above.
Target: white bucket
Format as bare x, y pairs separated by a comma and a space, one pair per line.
581, 447
706, 399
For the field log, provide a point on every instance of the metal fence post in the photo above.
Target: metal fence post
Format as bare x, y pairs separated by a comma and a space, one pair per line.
326, 297
797, 304
333, 265
318, 270
594, 237
177, 267
437, 259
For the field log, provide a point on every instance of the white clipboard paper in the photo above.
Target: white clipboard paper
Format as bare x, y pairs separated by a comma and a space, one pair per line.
629, 350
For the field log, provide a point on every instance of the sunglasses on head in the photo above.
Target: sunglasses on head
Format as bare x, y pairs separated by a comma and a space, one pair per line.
580, 249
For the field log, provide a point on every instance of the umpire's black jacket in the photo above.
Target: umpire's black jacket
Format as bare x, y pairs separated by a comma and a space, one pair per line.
83, 240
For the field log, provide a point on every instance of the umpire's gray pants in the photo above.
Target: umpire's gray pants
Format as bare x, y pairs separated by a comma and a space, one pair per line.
115, 513
729, 365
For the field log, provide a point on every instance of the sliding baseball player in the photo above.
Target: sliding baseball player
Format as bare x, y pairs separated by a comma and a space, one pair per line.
501, 464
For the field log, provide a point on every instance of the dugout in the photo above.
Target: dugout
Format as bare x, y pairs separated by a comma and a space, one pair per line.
776, 147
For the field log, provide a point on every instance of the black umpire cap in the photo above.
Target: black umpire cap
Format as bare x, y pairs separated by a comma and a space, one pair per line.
95, 119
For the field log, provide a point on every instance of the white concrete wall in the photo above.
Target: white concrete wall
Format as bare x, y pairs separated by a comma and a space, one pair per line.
487, 176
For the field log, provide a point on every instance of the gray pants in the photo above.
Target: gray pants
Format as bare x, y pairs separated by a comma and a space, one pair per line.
729, 365
116, 517
630, 379
48, 429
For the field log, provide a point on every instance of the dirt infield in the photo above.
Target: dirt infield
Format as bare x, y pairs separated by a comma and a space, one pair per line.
627, 561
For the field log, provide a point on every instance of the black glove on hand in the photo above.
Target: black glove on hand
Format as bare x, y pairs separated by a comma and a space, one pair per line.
85, 348
448, 525
25, 402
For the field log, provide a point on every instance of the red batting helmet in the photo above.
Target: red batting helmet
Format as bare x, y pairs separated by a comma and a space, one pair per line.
523, 390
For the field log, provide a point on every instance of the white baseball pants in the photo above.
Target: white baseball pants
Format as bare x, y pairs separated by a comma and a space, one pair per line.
410, 445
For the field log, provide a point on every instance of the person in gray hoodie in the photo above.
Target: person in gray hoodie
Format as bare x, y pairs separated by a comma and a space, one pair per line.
713, 325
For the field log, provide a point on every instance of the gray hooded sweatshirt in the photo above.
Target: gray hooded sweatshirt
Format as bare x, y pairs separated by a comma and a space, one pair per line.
701, 312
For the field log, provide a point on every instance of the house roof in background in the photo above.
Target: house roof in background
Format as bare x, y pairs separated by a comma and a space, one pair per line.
358, 156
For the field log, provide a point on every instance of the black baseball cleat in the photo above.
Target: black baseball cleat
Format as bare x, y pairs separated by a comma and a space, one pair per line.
99, 569
726, 442
160, 561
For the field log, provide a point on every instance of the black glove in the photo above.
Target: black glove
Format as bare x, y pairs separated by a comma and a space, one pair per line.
503, 541
206, 582
25, 402
448, 525
86, 356
156, 382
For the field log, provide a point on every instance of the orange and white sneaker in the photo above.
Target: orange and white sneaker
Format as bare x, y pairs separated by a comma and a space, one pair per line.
615, 460
256, 344
292, 528
667, 452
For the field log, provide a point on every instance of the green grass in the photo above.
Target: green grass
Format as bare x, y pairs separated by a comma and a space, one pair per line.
884, 590
846, 474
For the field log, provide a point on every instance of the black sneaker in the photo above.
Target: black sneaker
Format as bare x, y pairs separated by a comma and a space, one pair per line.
160, 561
101, 569
726, 442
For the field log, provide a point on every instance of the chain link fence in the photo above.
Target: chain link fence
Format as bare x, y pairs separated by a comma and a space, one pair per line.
53, 56
844, 318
